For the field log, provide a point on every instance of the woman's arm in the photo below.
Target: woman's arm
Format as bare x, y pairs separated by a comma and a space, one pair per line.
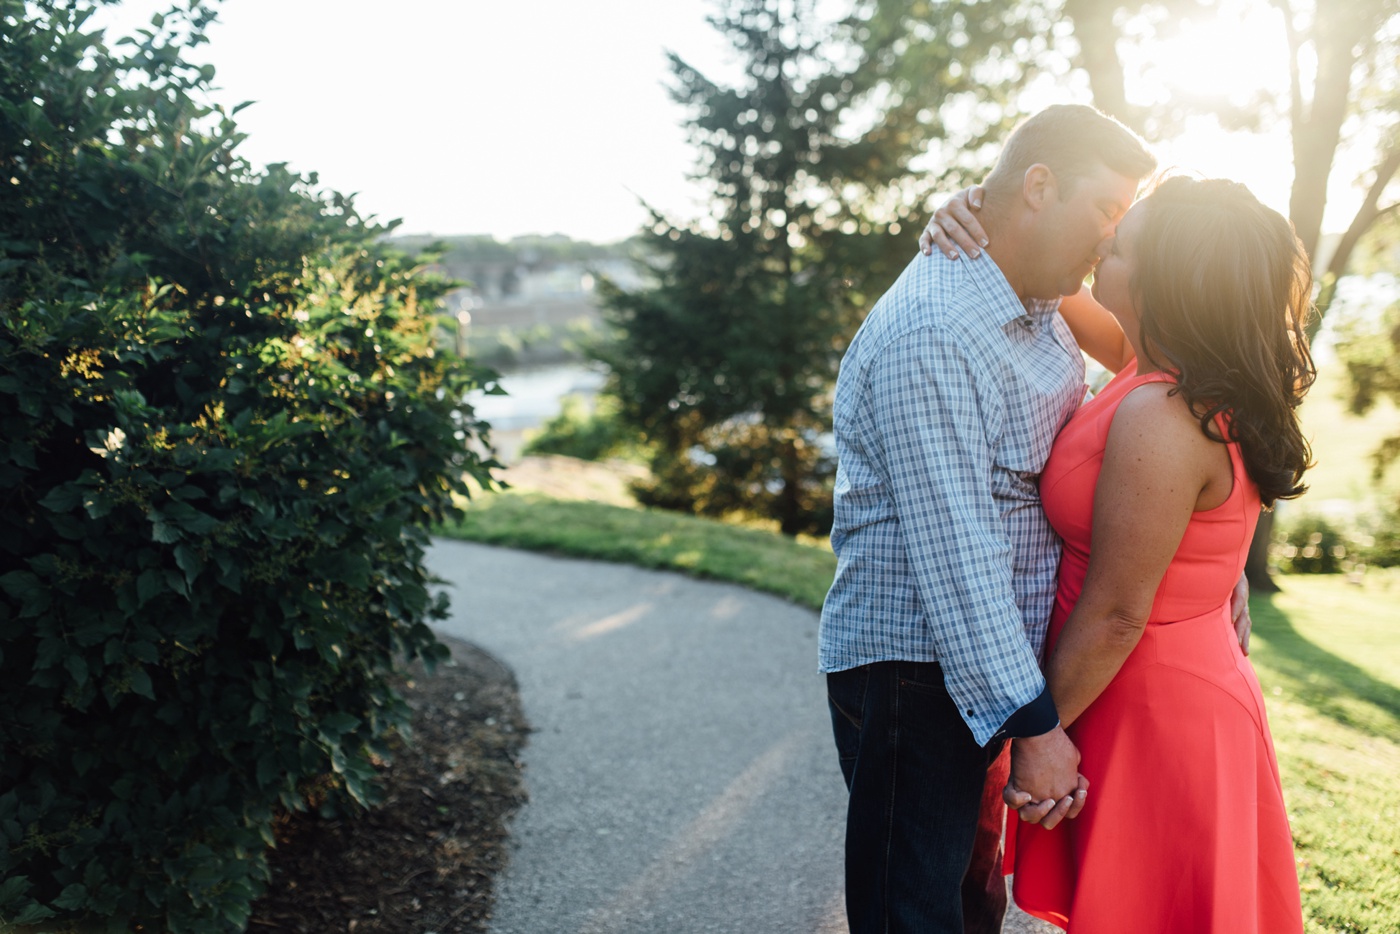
1096, 331
1158, 469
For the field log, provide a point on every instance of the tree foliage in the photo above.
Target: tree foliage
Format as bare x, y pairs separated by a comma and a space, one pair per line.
1370, 350
727, 362
225, 429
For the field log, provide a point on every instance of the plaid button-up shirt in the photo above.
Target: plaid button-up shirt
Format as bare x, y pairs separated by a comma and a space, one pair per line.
948, 400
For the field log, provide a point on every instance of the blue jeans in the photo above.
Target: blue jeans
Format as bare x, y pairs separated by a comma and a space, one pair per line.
915, 777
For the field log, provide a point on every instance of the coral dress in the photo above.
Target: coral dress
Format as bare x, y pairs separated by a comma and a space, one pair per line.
1184, 830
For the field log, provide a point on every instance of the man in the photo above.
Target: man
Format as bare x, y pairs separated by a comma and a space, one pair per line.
946, 406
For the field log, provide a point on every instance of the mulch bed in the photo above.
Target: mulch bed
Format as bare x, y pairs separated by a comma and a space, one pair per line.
424, 861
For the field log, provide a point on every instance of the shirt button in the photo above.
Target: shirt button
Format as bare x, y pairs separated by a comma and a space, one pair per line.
970, 713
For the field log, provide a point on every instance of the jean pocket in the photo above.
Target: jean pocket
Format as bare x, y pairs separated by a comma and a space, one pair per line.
922, 677
845, 695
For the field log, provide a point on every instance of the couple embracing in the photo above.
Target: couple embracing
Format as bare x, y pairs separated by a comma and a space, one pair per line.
1022, 567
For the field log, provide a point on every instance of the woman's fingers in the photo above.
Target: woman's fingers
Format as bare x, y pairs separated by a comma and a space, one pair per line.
934, 237
1015, 798
1058, 812
955, 226
1050, 812
1036, 812
1081, 794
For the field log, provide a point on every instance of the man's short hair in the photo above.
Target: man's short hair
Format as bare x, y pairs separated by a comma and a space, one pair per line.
1073, 141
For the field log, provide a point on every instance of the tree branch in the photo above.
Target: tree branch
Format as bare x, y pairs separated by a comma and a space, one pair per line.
1295, 79
1097, 36
1369, 212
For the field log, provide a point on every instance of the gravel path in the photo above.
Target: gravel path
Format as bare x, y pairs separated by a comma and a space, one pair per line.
681, 775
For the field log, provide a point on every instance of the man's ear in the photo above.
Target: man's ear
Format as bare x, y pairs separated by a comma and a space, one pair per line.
1038, 187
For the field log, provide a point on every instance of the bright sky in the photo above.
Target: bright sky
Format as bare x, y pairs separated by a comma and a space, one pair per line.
467, 116
487, 116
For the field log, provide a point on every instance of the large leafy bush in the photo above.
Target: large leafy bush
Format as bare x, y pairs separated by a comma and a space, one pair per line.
224, 429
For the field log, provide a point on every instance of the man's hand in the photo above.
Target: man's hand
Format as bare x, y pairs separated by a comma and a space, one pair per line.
1046, 767
1239, 612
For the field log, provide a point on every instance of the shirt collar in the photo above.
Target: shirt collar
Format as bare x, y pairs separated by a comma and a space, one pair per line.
1002, 304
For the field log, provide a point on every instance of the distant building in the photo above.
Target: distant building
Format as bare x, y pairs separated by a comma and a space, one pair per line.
527, 298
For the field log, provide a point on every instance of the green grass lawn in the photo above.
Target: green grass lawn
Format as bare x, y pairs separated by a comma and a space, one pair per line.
1328, 658
1343, 443
1326, 651
652, 538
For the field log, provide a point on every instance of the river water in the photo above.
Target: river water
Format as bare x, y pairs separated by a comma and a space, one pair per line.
534, 396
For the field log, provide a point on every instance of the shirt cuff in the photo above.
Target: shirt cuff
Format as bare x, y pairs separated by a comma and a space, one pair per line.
1035, 718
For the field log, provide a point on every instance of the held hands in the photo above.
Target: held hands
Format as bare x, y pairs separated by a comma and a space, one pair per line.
955, 225
1045, 785
1049, 812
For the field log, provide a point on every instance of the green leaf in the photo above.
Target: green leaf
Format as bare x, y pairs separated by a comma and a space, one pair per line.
22, 585
161, 531
188, 561
12, 888
175, 582
51, 649
84, 760
268, 771
141, 683
72, 898
63, 498
34, 913
149, 584
339, 723
77, 667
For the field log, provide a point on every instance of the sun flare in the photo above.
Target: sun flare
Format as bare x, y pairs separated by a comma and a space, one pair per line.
1227, 57
1233, 58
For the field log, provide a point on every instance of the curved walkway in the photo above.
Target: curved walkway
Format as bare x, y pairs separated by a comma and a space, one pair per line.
681, 775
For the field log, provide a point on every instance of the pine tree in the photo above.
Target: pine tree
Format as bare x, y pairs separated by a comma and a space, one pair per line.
727, 362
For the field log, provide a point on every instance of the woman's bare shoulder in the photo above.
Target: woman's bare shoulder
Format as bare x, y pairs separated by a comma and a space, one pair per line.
1155, 429
1156, 441
1156, 397
1155, 411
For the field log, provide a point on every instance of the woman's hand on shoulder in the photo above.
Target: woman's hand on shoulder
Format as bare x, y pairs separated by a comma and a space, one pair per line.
955, 225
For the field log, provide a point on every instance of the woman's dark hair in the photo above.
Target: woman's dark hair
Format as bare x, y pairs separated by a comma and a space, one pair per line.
1224, 289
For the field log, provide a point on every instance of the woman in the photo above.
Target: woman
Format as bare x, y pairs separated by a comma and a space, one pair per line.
1155, 487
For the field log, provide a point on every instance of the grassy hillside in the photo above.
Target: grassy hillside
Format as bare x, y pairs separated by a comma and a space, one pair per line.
1343, 443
